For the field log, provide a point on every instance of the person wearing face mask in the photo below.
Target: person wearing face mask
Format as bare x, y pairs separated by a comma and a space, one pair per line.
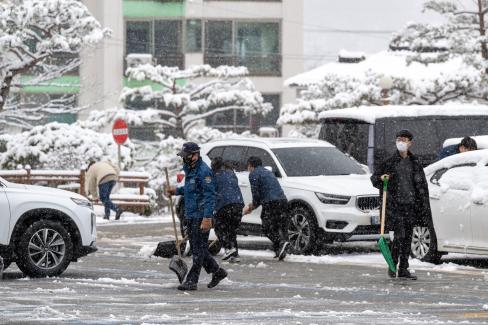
407, 201
199, 196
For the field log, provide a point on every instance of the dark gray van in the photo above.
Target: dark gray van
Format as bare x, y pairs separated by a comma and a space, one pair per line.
368, 133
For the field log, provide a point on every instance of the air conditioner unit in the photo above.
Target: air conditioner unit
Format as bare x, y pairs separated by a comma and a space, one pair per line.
135, 59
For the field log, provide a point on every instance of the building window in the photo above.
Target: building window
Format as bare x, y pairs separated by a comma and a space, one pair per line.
255, 45
218, 43
258, 47
238, 121
231, 120
168, 43
193, 36
138, 37
161, 38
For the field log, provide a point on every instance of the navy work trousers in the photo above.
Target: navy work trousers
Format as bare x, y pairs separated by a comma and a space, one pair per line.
201, 255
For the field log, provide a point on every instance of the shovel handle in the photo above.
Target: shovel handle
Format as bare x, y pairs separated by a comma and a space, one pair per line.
178, 248
383, 205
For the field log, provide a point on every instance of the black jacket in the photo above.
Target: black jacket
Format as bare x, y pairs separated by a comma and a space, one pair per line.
422, 204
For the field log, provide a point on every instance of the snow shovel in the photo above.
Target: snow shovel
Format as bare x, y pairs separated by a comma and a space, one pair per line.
167, 249
382, 244
177, 264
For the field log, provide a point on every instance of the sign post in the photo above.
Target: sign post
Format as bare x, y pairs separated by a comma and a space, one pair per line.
120, 132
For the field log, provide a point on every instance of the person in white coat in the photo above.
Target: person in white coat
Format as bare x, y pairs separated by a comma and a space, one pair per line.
101, 178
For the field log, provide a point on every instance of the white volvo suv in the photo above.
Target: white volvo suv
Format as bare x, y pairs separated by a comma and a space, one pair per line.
330, 195
43, 229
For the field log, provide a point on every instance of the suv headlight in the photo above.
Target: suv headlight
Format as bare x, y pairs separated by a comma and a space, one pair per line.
332, 198
82, 202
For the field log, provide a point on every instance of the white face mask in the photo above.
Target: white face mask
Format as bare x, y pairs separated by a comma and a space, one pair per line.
402, 146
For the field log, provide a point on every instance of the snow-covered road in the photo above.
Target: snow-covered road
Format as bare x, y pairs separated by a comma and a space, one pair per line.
121, 285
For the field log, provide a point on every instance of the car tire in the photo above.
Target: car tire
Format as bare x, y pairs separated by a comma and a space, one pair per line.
302, 230
45, 249
424, 245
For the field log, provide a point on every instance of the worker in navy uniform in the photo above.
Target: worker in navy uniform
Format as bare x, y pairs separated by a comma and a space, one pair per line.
199, 198
267, 191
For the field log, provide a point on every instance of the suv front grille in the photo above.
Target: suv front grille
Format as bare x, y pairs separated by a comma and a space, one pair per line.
368, 203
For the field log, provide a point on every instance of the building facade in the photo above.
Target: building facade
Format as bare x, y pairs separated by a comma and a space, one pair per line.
263, 35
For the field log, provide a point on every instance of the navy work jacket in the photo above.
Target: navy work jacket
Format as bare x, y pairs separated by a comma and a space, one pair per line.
448, 151
227, 188
199, 191
264, 187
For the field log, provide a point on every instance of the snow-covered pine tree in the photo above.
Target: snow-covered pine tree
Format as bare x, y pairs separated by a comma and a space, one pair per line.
34, 34
191, 95
462, 34
459, 41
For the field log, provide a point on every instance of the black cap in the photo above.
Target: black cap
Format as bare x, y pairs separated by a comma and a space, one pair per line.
469, 143
188, 148
405, 134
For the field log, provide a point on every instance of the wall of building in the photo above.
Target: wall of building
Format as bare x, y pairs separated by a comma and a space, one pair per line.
101, 70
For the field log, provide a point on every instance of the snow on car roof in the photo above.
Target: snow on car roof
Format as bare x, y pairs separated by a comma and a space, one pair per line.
481, 141
276, 142
391, 63
479, 157
370, 114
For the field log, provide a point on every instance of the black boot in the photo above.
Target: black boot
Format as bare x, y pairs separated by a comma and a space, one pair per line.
405, 274
118, 213
283, 250
187, 286
217, 277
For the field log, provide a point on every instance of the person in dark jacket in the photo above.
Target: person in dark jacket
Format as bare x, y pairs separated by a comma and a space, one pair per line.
228, 208
466, 144
267, 191
407, 200
199, 196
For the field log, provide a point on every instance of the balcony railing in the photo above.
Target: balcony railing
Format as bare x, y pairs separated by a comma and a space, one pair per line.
171, 60
258, 65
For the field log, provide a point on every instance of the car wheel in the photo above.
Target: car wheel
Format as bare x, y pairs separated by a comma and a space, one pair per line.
424, 245
45, 249
302, 230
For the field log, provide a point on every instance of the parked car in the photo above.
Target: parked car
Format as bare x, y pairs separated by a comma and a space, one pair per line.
43, 229
330, 195
481, 141
368, 133
458, 188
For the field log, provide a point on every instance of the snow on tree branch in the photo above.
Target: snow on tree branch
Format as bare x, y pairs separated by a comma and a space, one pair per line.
37, 35
195, 93
413, 83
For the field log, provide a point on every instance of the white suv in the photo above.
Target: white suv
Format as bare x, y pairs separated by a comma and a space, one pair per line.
44, 229
330, 194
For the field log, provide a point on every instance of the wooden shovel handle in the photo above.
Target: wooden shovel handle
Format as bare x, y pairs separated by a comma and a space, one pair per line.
178, 248
383, 207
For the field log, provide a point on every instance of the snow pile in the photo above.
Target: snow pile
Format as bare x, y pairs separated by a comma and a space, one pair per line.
370, 114
61, 146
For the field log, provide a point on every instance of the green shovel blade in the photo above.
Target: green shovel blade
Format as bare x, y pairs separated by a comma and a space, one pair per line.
385, 251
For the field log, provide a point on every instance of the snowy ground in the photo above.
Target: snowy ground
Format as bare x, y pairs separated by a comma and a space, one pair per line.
120, 284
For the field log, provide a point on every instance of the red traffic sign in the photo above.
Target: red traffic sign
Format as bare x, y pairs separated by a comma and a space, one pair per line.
120, 131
